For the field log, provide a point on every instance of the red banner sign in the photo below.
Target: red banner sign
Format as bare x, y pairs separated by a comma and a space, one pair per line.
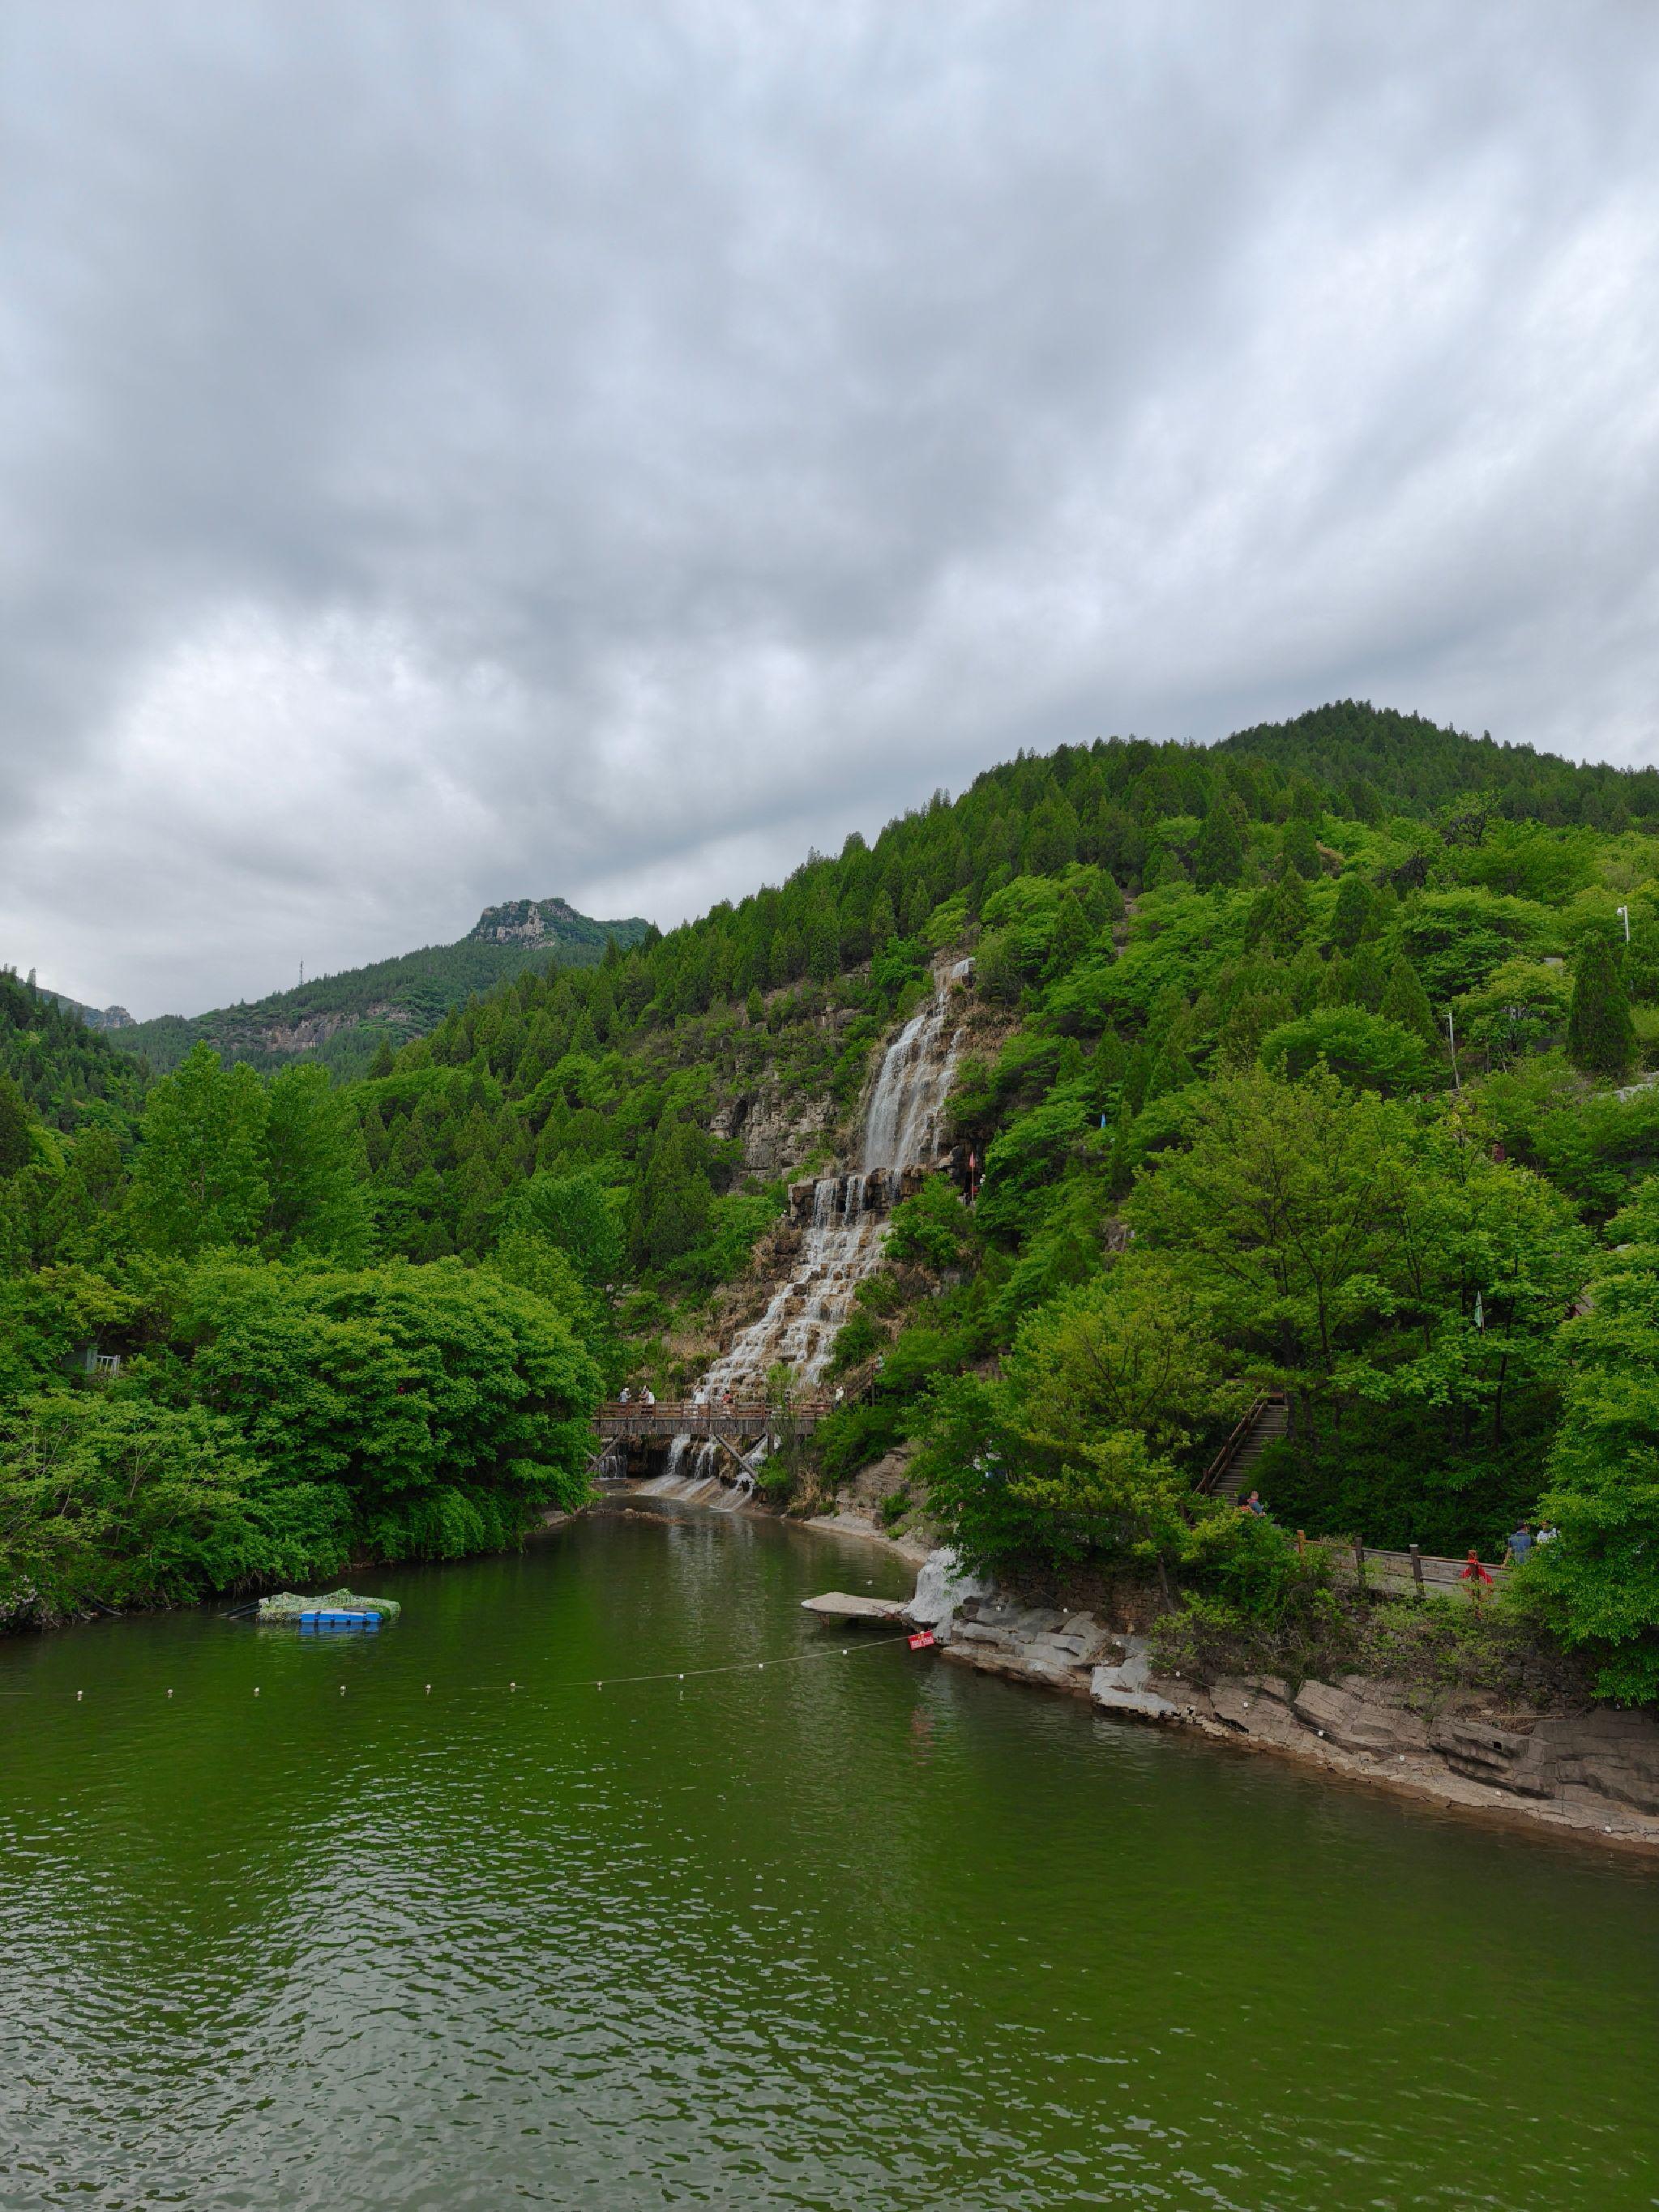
924, 1642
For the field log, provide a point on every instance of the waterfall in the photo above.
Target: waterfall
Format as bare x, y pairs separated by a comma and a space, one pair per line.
843, 1244
901, 1128
801, 1318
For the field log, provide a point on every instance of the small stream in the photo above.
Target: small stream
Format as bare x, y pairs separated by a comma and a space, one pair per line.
808, 1932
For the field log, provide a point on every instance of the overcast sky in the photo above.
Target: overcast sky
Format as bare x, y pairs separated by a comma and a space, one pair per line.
453, 453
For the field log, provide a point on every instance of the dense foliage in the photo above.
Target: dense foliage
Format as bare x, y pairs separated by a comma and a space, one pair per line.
1310, 1062
65, 1071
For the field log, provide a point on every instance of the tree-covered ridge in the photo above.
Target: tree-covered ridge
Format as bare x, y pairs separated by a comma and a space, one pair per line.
1274, 1082
66, 1073
1369, 761
342, 1019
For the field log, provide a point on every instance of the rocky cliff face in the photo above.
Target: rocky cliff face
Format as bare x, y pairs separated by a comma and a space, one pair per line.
777, 1132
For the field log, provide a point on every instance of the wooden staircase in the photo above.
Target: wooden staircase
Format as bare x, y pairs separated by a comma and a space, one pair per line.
1228, 1475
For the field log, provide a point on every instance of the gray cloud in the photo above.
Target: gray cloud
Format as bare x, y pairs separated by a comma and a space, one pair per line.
454, 451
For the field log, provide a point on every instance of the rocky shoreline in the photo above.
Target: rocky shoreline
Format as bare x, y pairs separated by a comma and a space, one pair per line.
1593, 1773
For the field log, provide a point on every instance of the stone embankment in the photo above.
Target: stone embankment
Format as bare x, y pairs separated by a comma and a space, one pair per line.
1595, 1772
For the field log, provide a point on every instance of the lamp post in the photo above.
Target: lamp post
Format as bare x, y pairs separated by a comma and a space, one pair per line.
1623, 913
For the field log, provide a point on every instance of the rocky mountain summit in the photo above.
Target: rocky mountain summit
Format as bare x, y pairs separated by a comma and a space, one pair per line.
342, 1019
550, 921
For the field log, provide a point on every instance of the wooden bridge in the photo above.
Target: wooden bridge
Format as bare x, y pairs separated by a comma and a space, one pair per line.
730, 1421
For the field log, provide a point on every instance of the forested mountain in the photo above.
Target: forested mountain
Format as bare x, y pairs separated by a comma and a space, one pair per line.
95, 1018
342, 1019
1367, 761
65, 1071
1310, 1062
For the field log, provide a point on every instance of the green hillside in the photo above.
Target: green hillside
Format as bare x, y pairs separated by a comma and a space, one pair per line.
1367, 761
67, 1074
1212, 1138
341, 1020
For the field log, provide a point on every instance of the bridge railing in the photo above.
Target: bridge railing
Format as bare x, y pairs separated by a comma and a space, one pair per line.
682, 1418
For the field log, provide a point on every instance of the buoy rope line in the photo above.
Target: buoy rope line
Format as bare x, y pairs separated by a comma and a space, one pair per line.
575, 1681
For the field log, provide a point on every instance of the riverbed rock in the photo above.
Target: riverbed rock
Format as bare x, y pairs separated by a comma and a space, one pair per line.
1375, 1718
1003, 1635
1610, 1754
1125, 1684
942, 1585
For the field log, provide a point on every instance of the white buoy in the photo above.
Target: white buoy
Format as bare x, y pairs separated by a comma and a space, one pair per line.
256, 1689
79, 1695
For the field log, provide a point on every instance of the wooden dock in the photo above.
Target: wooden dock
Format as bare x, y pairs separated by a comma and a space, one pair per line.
856, 1612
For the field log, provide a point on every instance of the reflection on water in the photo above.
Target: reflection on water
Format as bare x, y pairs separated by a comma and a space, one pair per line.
836, 1932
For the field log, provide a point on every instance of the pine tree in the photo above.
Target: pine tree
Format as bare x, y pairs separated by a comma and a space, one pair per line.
1351, 918
1070, 938
1407, 1002
1601, 1036
1218, 856
1286, 913
1051, 840
1366, 979
1301, 848
16, 1147
381, 1063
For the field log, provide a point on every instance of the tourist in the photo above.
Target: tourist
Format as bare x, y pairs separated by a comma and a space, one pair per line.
1547, 1533
647, 1396
1519, 1542
1253, 1503
626, 1397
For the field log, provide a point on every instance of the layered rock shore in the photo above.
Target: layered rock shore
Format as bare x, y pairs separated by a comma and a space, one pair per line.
1595, 1771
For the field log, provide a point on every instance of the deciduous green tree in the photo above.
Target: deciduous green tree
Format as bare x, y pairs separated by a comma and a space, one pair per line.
199, 1180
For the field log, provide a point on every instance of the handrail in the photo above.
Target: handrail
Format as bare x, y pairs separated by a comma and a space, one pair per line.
1236, 1435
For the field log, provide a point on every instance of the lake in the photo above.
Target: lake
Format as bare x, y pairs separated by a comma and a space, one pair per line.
815, 1930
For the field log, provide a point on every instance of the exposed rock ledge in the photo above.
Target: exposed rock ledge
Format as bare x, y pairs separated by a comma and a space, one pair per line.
1595, 1771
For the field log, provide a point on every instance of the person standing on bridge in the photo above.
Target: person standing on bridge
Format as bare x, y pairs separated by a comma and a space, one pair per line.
647, 1396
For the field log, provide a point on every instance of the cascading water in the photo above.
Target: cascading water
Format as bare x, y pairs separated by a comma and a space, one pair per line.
902, 1127
842, 1243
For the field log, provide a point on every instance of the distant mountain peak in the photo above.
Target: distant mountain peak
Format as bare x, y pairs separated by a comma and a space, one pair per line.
341, 1019
541, 922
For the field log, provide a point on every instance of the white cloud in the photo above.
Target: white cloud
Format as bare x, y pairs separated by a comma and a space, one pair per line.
458, 452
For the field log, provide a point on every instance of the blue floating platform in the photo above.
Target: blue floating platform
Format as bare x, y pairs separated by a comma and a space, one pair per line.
339, 1621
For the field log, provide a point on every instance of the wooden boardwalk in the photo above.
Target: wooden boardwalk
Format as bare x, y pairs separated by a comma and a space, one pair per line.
734, 1423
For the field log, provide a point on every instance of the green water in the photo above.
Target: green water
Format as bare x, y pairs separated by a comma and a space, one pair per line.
838, 1933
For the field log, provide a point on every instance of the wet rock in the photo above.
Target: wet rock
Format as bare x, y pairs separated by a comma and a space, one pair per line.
1358, 1721
942, 1584
1474, 1744
1126, 1684
1614, 1755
